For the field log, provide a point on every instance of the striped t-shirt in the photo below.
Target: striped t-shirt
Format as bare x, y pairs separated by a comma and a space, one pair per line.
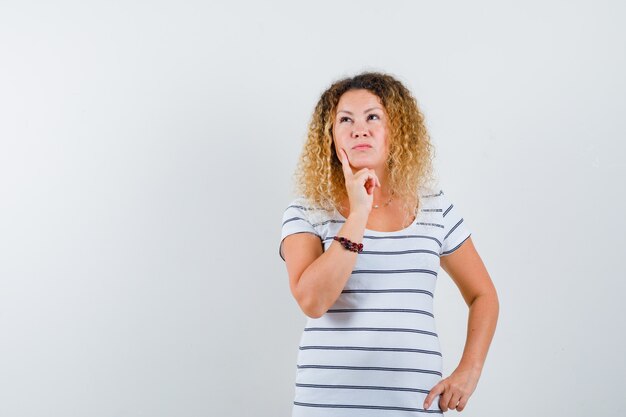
375, 352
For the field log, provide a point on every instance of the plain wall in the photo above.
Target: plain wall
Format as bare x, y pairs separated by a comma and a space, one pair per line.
146, 158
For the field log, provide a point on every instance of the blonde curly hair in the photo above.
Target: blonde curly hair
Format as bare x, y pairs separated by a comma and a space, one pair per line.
319, 175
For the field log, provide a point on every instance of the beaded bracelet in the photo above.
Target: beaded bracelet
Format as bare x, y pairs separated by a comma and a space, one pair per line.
348, 244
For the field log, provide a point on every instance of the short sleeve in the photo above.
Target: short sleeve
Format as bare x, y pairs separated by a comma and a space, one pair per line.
295, 220
456, 230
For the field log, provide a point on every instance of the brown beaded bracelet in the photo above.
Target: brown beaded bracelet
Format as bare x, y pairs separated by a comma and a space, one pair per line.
348, 244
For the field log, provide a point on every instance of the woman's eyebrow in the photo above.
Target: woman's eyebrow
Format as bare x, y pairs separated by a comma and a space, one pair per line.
368, 110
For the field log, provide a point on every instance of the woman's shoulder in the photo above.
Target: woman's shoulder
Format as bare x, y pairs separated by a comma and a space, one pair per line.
308, 209
303, 203
429, 193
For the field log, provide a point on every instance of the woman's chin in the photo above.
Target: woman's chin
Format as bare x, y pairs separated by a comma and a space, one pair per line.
360, 164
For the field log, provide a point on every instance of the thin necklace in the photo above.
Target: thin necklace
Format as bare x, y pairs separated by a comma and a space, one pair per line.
384, 205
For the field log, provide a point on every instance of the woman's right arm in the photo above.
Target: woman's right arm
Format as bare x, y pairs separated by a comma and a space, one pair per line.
316, 278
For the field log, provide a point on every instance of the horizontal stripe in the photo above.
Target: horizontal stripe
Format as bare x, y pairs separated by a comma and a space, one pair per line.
393, 271
390, 290
322, 209
294, 219
367, 329
433, 195
370, 368
372, 349
395, 237
456, 247
403, 237
423, 391
372, 407
425, 210
379, 310
303, 208
431, 224
399, 252
328, 221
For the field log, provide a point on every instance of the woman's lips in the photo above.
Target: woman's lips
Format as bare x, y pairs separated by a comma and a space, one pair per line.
362, 147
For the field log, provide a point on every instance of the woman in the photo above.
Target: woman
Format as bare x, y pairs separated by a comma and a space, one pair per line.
363, 246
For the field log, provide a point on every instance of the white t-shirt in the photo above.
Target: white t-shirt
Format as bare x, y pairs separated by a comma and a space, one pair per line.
376, 349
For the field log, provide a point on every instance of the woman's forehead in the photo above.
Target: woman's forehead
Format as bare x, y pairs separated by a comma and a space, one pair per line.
358, 98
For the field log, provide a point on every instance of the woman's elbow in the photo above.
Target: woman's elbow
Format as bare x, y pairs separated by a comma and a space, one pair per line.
311, 308
309, 303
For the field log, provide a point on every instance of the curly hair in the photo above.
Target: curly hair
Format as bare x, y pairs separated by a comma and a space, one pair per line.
319, 175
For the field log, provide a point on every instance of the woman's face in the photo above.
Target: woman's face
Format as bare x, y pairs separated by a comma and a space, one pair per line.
360, 128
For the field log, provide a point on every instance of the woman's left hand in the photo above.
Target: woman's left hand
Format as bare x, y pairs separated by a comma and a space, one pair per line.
454, 390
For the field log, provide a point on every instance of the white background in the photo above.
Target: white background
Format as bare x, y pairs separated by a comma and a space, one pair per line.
146, 157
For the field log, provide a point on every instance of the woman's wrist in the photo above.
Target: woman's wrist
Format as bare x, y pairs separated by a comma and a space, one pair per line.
348, 244
473, 366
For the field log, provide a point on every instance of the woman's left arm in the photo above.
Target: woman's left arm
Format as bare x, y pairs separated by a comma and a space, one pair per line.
467, 270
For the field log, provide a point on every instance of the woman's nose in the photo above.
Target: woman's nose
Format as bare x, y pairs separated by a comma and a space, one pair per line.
359, 131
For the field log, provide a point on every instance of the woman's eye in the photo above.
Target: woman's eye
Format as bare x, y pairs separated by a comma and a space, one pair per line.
343, 119
373, 115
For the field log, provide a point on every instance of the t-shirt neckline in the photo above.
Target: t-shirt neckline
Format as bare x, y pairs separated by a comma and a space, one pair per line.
380, 231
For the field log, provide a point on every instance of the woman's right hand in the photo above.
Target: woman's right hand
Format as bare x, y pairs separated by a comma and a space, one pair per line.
359, 185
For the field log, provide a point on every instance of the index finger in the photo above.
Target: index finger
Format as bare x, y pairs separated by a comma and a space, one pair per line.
436, 390
345, 163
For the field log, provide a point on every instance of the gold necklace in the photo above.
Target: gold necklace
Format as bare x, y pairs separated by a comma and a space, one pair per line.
384, 205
